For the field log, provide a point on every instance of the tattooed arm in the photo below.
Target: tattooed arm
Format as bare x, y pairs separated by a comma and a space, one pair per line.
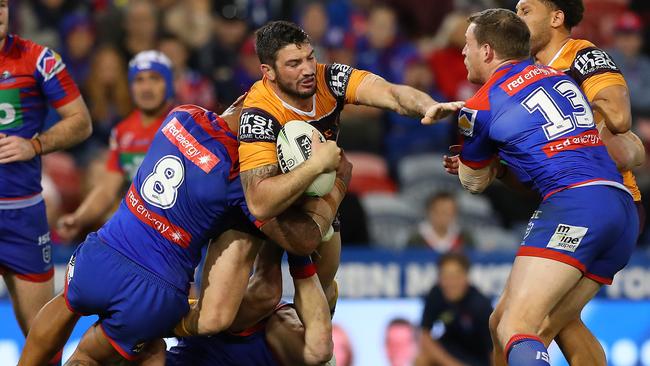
269, 193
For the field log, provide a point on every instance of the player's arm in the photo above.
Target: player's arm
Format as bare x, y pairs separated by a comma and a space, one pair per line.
625, 147
607, 92
474, 179
74, 127
269, 193
374, 91
100, 199
301, 228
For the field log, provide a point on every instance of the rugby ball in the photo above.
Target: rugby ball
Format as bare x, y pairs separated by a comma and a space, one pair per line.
294, 147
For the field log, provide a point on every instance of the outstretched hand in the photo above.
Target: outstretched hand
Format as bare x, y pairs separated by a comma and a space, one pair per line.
440, 110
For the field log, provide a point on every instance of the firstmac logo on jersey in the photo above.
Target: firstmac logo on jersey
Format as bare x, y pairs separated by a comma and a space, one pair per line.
339, 76
256, 127
567, 237
466, 120
591, 61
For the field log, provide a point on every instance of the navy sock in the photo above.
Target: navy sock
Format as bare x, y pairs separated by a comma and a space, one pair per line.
526, 350
300, 266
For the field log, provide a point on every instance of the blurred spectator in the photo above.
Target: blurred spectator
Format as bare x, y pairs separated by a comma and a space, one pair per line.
463, 312
190, 86
342, 346
39, 20
219, 57
447, 61
141, 26
78, 36
628, 43
107, 93
401, 346
190, 21
381, 51
247, 71
406, 135
441, 231
313, 19
420, 18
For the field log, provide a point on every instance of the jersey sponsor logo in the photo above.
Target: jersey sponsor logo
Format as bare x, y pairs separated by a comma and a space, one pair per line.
567, 237
466, 120
591, 61
159, 223
70, 270
189, 146
339, 75
11, 112
526, 77
256, 127
49, 64
588, 138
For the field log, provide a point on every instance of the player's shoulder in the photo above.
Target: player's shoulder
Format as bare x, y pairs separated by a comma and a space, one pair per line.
261, 100
190, 110
333, 79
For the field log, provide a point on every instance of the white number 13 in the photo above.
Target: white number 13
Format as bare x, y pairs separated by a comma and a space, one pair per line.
559, 123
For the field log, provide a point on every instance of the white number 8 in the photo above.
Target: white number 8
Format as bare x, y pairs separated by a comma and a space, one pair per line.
160, 188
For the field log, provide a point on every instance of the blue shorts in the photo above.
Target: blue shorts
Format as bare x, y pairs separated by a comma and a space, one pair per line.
134, 305
25, 246
222, 350
592, 228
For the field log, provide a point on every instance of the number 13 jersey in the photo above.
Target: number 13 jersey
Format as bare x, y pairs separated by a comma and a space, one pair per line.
540, 124
185, 189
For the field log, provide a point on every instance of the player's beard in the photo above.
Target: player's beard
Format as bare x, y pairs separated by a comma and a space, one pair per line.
288, 89
539, 39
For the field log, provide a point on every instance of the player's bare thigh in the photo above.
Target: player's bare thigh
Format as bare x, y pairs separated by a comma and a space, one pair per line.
228, 263
535, 287
28, 297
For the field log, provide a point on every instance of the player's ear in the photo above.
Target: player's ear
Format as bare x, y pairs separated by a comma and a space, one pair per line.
487, 52
268, 71
557, 19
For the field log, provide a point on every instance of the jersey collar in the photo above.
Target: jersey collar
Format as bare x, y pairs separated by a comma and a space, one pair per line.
9, 41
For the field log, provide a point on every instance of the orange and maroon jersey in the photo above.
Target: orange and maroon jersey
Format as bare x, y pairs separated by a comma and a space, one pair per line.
32, 77
593, 69
264, 113
130, 140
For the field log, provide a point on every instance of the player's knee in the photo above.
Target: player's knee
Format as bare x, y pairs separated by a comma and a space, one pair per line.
215, 322
494, 320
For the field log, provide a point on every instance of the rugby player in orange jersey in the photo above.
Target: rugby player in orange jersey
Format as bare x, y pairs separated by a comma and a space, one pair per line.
296, 87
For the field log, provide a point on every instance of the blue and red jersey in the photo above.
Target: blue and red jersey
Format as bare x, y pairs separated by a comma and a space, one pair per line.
186, 187
539, 123
31, 77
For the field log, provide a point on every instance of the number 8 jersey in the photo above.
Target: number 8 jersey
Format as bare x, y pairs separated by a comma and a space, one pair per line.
541, 125
186, 191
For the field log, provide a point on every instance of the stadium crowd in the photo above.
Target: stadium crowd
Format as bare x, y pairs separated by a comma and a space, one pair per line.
397, 161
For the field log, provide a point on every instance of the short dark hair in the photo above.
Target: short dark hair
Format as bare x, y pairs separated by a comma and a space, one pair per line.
572, 9
272, 37
439, 196
504, 31
451, 257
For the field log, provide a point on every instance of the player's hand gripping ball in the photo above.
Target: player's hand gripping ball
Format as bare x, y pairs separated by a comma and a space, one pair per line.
294, 147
